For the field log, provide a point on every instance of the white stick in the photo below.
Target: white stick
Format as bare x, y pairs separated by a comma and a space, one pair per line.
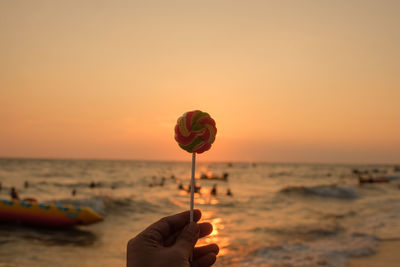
192, 184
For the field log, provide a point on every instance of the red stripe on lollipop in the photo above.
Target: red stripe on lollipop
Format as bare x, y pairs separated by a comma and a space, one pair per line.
189, 119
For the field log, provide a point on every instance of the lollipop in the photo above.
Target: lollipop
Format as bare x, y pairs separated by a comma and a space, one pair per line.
195, 132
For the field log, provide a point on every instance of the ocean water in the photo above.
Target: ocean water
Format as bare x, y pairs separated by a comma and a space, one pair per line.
279, 214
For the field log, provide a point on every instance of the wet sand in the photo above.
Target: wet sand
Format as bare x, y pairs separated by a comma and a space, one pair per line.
388, 255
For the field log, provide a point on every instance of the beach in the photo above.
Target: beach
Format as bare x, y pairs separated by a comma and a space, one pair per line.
278, 214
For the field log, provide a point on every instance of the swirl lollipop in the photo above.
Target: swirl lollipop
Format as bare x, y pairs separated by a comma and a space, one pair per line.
195, 132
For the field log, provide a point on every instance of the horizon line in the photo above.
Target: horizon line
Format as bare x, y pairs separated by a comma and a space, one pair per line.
182, 161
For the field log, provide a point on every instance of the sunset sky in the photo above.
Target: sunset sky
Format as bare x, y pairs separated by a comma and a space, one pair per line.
285, 81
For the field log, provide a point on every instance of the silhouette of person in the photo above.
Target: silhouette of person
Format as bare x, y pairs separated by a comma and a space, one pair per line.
14, 194
214, 190
180, 186
196, 188
162, 181
229, 192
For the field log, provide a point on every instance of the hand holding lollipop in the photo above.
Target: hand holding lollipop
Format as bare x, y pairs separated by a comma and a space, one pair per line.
195, 132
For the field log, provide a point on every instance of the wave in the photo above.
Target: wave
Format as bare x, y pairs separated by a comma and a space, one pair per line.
58, 184
392, 177
129, 204
305, 232
112, 185
326, 252
11, 232
55, 174
106, 204
280, 174
331, 191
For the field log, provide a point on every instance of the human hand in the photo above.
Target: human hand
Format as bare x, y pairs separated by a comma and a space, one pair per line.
170, 242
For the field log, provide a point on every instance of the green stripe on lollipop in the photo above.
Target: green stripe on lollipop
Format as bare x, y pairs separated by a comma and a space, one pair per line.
197, 127
199, 115
192, 145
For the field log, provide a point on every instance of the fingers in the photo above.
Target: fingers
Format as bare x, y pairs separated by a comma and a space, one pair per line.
205, 229
166, 226
205, 261
187, 239
202, 251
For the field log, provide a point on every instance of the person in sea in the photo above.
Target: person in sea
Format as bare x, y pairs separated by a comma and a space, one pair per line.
229, 192
180, 186
170, 242
196, 188
14, 194
214, 190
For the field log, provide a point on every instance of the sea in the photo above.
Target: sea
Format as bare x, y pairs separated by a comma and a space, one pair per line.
277, 214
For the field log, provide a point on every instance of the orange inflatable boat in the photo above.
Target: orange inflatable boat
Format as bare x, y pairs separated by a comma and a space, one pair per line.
46, 214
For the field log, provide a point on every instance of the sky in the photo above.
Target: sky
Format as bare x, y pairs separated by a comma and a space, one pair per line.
285, 81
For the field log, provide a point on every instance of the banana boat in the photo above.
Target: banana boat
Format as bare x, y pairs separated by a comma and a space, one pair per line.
46, 214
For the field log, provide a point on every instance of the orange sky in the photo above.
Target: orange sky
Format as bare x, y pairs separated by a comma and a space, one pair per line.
286, 81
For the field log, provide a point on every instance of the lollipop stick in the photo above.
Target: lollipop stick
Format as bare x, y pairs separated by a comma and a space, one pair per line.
192, 194
192, 186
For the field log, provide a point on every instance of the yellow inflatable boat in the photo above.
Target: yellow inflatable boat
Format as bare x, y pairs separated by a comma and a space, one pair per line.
46, 214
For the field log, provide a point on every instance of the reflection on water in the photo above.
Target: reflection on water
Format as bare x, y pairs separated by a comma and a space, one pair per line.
202, 199
218, 235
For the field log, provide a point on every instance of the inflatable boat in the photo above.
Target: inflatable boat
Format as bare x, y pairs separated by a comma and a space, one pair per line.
46, 214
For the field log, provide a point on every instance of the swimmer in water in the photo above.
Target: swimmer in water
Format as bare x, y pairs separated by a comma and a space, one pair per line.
180, 186
229, 192
196, 188
14, 194
214, 190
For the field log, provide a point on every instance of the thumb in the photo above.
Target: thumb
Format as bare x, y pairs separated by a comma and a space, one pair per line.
188, 238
